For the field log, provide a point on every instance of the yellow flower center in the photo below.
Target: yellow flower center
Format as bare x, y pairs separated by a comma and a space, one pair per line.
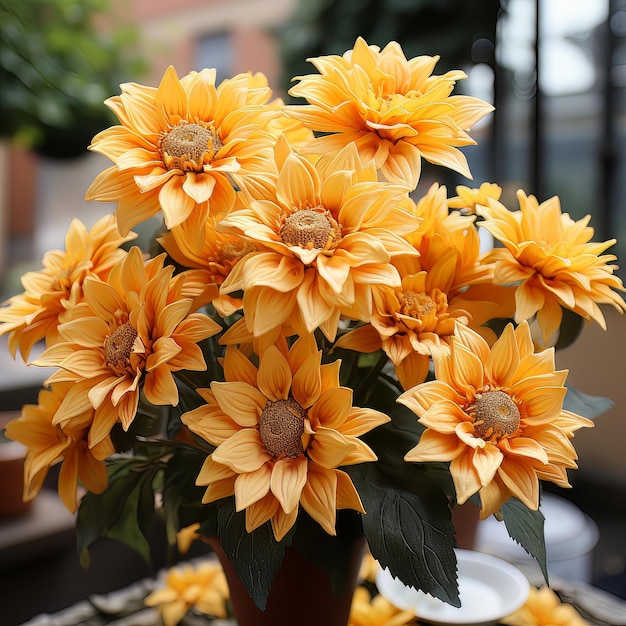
313, 228
189, 147
117, 348
235, 250
415, 304
495, 415
281, 426
62, 280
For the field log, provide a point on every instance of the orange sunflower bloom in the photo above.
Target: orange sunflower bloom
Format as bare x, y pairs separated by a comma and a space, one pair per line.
49, 444
129, 335
495, 415
394, 109
48, 293
210, 255
553, 263
181, 146
410, 324
326, 235
444, 286
282, 430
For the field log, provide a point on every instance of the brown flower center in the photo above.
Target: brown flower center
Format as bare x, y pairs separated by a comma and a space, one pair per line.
311, 229
118, 347
281, 426
495, 414
189, 147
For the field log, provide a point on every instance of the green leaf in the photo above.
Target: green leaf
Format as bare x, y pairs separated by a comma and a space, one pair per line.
122, 512
526, 528
256, 556
133, 525
182, 498
583, 404
410, 532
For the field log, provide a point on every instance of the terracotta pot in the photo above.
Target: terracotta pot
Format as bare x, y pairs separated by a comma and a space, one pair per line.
465, 518
301, 593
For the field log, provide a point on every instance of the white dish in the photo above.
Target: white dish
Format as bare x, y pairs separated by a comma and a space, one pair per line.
489, 589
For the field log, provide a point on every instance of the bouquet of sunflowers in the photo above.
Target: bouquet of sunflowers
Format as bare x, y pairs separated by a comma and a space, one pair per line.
310, 348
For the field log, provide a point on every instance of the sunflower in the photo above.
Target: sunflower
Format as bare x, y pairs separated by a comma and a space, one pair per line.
180, 147
128, 336
281, 431
202, 587
48, 444
444, 286
468, 197
495, 415
325, 235
376, 611
394, 109
48, 293
553, 263
544, 608
209, 255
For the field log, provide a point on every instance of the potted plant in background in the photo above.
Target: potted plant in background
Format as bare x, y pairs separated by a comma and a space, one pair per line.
309, 357
55, 69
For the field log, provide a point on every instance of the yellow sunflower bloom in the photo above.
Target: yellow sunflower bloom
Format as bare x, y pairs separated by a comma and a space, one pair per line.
468, 197
494, 414
48, 444
180, 147
326, 235
394, 109
281, 432
543, 608
553, 263
129, 335
376, 611
202, 587
35, 314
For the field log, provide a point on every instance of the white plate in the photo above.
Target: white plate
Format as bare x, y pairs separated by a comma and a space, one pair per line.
489, 589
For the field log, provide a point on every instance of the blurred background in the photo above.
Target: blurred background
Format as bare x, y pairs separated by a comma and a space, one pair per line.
555, 70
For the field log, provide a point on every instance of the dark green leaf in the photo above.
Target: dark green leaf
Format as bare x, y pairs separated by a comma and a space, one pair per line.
256, 556
583, 404
526, 528
122, 512
393, 440
182, 499
133, 525
410, 532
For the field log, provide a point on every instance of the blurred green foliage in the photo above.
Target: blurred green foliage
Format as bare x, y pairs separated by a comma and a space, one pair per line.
56, 68
449, 28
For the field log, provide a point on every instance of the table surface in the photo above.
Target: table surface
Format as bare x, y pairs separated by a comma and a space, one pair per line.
125, 607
